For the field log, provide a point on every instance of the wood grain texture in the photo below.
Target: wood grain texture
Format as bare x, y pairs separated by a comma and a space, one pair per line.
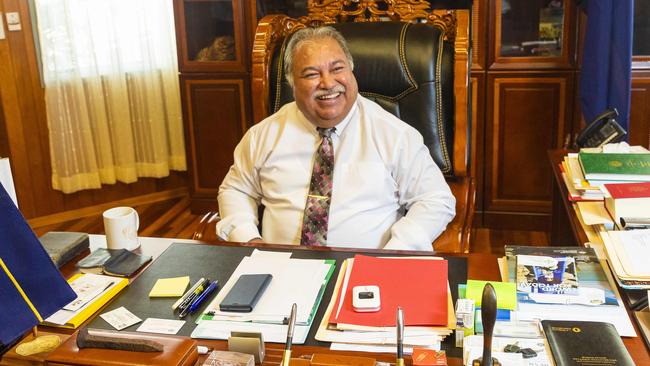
526, 117
216, 119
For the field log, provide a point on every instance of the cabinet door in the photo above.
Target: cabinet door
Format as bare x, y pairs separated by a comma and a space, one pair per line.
215, 115
532, 34
211, 35
527, 114
639, 128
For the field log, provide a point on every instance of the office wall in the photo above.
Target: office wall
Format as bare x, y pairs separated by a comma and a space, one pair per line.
24, 134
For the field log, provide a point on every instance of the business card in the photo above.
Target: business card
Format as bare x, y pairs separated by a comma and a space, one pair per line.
120, 318
162, 326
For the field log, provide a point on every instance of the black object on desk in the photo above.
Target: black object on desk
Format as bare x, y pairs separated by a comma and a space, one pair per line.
245, 293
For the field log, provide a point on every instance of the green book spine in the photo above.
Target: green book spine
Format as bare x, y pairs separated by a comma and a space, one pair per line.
617, 164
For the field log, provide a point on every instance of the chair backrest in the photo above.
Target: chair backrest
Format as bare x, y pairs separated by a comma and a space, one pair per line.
411, 60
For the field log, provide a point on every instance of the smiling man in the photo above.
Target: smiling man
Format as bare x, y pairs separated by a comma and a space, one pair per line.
333, 168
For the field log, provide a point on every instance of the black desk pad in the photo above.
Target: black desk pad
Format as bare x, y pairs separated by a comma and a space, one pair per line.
218, 263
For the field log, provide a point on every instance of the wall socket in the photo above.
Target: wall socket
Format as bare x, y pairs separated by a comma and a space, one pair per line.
13, 21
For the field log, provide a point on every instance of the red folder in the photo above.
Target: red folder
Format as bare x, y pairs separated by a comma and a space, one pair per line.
419, 286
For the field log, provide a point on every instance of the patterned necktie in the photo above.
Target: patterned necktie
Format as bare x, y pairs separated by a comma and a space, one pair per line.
317, 206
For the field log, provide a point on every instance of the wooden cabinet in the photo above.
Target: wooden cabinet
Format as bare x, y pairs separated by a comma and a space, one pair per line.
527, 114
213, 40
527, 72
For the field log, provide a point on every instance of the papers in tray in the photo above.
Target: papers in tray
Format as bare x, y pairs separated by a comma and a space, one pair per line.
357, 330
300, 281
628, 252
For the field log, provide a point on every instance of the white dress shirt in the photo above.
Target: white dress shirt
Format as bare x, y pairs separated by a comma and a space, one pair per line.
381, 169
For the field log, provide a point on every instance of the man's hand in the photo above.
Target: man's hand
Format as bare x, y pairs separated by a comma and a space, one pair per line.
256, 240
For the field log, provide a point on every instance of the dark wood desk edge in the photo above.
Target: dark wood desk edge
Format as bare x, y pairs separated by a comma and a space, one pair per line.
560, 197
479, 266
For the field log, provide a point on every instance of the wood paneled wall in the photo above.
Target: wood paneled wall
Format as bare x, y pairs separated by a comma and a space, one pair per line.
24, 127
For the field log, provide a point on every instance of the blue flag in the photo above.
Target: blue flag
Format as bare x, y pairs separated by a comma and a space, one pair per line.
31, 287
607, 59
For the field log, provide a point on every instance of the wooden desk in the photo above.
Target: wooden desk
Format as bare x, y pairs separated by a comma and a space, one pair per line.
480, 266
567, 229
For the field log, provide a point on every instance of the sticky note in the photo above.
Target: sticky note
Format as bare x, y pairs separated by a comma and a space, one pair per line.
506, 293
170, 287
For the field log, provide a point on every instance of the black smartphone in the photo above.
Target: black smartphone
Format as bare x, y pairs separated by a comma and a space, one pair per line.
243, 296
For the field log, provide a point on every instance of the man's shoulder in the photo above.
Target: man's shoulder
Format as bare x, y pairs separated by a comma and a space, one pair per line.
285, 115
382, 120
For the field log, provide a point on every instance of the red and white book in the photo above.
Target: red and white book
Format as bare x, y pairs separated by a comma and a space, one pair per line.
628, 200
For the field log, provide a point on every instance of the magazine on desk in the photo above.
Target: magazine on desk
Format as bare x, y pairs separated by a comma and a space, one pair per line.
591, 287
592, 277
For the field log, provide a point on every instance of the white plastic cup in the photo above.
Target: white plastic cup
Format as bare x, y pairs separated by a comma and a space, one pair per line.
121, 227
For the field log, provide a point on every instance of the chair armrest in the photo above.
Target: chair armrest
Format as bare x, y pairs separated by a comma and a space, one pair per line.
206, 229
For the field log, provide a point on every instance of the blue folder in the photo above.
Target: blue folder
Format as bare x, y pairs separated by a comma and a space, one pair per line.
31, 286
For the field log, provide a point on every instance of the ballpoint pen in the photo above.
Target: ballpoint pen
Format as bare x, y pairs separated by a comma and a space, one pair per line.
196, 303
286, 356
188, 293
188, 301
400, 337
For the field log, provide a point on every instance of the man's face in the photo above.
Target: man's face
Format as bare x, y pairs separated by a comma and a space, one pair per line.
323, 84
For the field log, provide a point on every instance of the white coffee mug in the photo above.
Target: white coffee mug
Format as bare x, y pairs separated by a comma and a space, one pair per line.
121, 226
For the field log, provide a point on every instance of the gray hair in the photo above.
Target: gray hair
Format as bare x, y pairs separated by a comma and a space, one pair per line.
309, 34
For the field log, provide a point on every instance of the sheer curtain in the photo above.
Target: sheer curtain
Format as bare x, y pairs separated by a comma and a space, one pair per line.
111, 91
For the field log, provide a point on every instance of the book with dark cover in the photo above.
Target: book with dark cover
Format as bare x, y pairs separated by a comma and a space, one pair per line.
115, 262
63, 246
124, 263
96, 259
613, 167
585, 343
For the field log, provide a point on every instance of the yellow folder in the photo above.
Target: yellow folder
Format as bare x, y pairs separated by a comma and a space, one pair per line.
95, 305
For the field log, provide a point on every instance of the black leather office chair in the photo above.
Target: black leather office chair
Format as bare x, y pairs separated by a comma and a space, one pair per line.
411, 60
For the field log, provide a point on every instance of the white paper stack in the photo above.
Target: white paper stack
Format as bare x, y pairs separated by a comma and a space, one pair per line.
628, 252
299, 281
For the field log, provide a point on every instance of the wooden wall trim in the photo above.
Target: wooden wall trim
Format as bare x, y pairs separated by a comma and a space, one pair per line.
98, 209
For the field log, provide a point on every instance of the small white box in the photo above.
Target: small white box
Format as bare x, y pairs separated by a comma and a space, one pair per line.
366, 298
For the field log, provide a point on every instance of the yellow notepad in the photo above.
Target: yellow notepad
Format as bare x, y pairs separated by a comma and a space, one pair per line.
170, 287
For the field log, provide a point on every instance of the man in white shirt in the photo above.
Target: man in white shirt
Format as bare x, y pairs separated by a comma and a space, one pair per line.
385, 191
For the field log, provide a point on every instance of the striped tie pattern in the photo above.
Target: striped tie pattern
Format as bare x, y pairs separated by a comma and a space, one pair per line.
317, 205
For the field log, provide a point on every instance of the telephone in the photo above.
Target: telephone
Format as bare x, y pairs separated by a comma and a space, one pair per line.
602, 130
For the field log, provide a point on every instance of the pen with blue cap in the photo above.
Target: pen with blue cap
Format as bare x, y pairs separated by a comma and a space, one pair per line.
197, 302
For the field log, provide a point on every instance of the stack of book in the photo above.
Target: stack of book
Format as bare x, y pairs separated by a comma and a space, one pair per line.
579, 189
585, 173
628, 252
418, 285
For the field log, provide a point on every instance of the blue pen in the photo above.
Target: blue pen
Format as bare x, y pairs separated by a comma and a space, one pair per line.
195, 305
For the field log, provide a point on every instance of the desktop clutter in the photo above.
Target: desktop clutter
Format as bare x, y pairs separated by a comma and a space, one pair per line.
550, 303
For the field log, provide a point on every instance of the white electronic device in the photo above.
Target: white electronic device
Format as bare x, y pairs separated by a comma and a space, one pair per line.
365, 298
